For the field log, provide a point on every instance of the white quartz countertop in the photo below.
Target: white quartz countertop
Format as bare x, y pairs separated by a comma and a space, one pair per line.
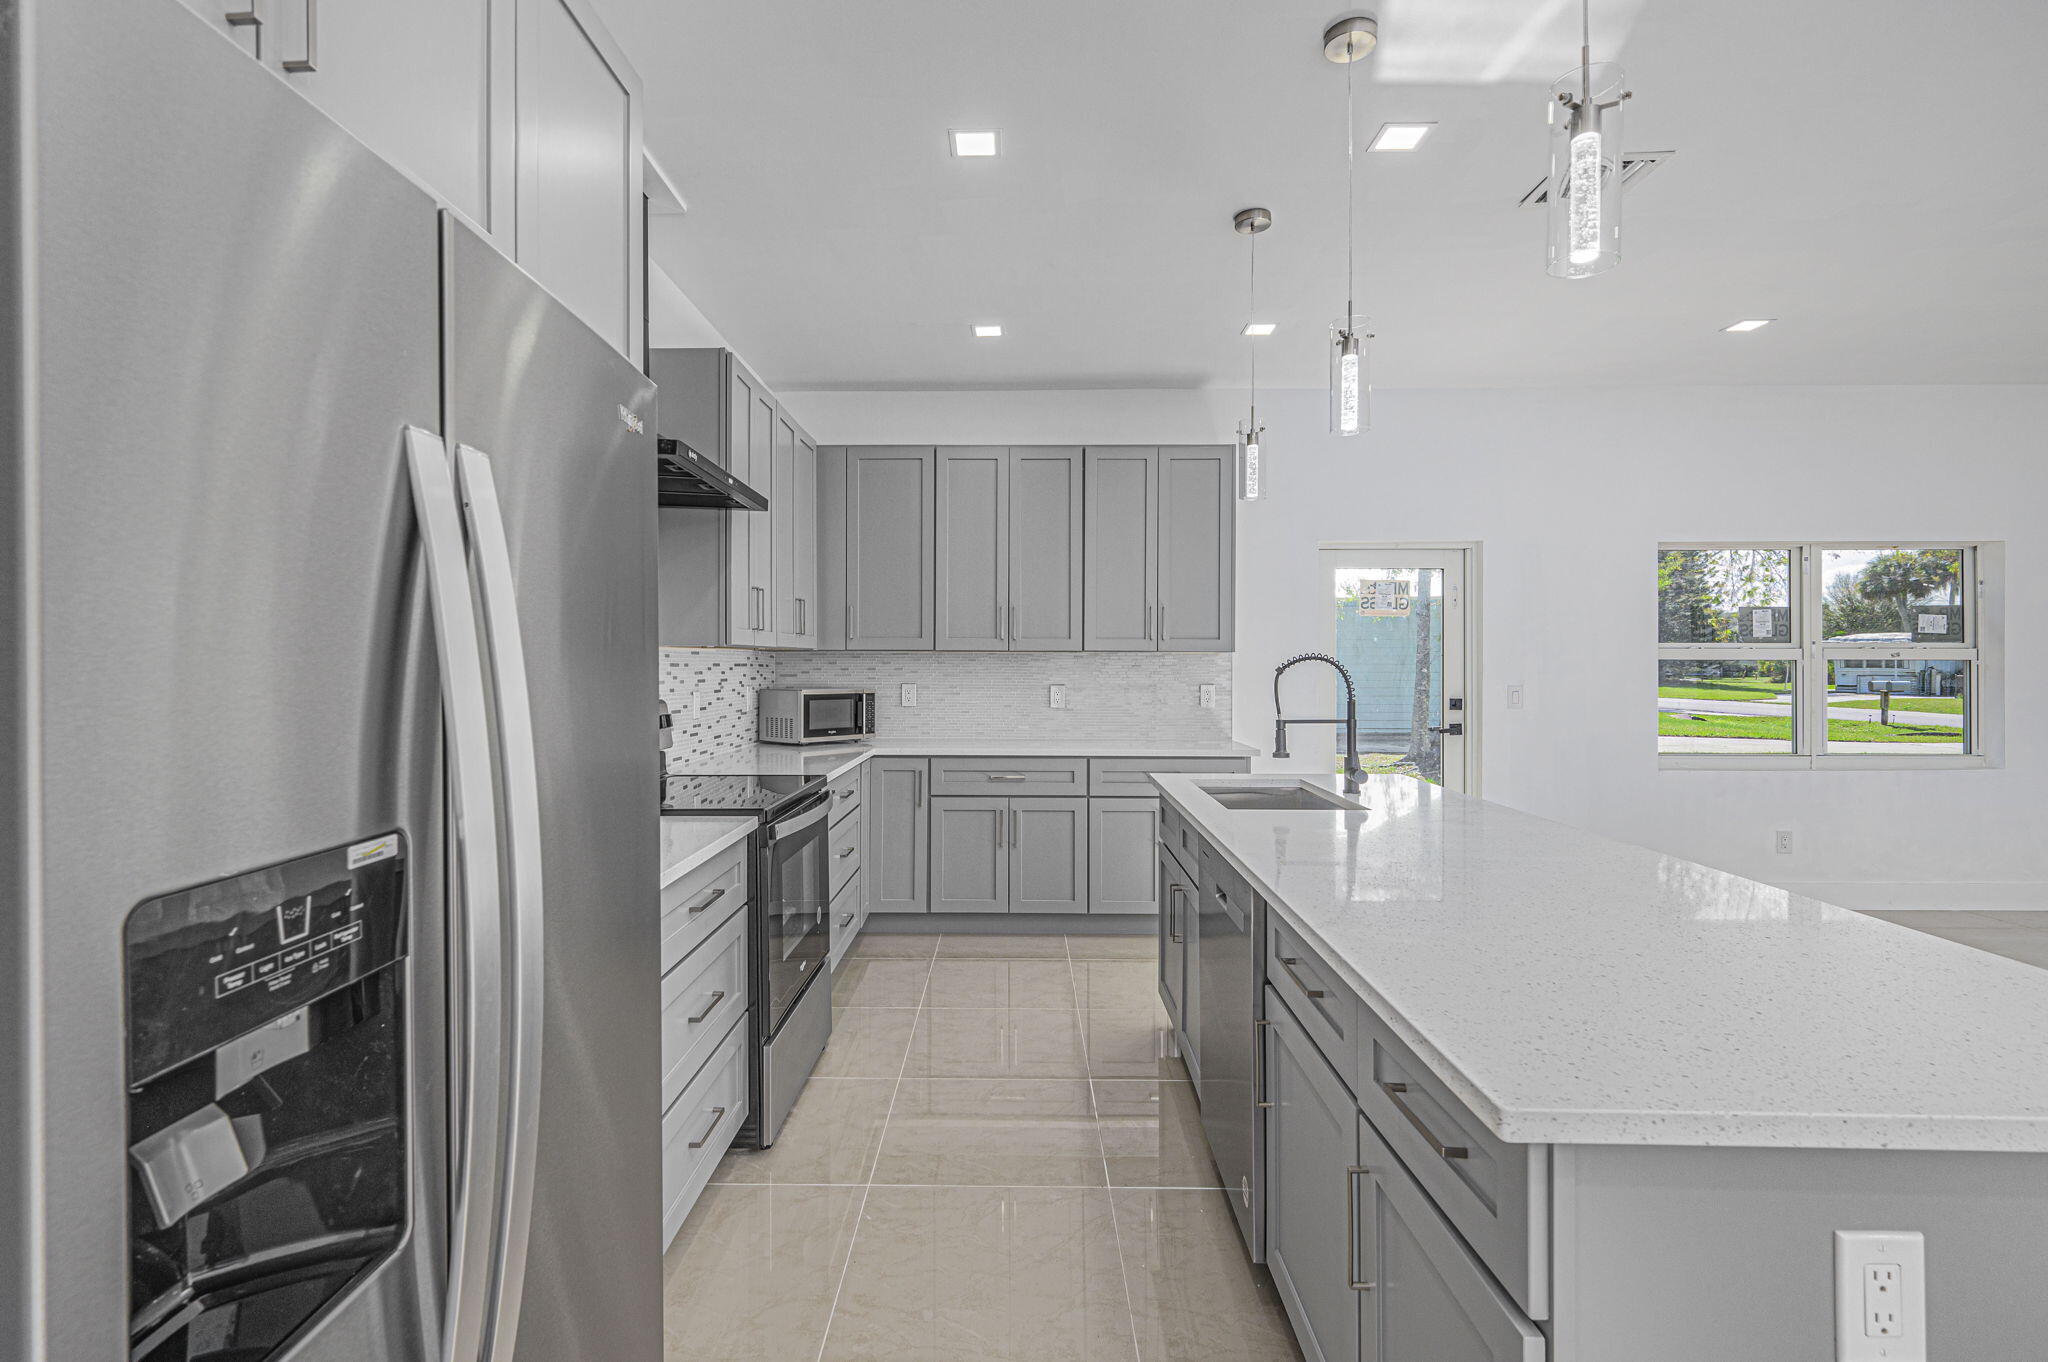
831, 759
687, 843
1577, 990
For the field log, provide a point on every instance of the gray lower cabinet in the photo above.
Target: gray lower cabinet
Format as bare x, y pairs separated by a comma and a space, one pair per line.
1176, 915
992, 854
895, 861
889, 593
1311, 1148
1123, 861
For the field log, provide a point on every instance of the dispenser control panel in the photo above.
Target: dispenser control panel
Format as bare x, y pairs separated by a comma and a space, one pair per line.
208, 964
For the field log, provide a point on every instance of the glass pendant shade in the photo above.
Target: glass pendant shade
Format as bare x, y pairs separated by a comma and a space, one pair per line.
1350, 378
1584, 194
1251, 469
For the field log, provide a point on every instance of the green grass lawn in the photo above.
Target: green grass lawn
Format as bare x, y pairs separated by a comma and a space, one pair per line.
1734, 688
1765, 727
1926, 704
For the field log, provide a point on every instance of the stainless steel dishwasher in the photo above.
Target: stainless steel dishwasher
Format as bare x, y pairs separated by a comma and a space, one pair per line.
1230, 933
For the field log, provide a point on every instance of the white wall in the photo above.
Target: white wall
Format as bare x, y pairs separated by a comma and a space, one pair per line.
1569, 493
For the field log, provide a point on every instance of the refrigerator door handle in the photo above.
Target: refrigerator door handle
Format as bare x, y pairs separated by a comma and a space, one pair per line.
527, 920
473, 1143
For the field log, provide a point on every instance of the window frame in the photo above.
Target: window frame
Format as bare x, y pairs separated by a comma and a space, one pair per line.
1810, 653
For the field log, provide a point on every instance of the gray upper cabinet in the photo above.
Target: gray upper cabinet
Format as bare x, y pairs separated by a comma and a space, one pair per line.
748, 442
1121, 556
973, 548
1123, 864
1311, 1195
894, 863
890, 600
782, 531
1196, 608
578, 217
1043, 535
970, 854
806, 548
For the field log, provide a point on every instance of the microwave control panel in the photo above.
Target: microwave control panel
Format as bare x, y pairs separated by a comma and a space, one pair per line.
210, 963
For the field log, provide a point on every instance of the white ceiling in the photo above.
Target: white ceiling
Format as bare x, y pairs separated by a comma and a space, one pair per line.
1871, 173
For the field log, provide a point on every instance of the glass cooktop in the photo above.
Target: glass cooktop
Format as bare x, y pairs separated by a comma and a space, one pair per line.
742, 794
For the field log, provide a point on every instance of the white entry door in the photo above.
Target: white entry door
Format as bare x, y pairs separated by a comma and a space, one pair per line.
1397, 623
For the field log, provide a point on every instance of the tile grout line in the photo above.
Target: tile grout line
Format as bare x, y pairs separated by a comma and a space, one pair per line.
1116, 1230
860, 1211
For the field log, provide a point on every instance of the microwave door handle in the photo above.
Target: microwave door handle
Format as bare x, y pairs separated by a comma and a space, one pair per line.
473, 900
520, 765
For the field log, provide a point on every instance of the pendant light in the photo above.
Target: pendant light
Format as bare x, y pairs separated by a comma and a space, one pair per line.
1585, 162
1347, 42
1251, 473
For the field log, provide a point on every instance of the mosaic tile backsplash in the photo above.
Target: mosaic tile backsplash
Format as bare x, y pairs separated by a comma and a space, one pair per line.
1110, 696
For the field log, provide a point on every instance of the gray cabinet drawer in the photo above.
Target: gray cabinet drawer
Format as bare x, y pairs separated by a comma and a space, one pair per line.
1131, 775
844, 852
1429, 1297
845, 793
1001, 776
1326, 1008
845, 918
1497, 1194
700, 998
694, 906
1180, 836
699, 1127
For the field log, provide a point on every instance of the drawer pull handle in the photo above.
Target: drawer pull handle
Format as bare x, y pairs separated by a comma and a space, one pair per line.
846, 794
1444, 1151
717, 1115
1351, 1229
994, 776
709, 899
844, 852
847, 920
1288, 962
709, 1007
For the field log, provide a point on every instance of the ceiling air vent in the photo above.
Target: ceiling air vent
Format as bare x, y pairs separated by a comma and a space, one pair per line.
1634, 165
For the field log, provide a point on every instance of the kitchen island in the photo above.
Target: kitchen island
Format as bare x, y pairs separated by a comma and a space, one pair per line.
1591, 1103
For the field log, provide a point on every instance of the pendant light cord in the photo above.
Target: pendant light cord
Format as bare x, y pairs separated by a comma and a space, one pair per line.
1586, 51
1350, 200
1253, 341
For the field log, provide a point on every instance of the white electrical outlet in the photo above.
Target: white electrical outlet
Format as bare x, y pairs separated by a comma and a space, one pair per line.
1514, 697
1880, 1296
1056, 696
1781, 841
1208, 695
910, 695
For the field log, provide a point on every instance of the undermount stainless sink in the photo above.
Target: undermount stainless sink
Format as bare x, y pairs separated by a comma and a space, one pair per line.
1280, 797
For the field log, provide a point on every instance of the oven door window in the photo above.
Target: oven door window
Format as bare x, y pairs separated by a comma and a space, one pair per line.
831, 716
794, 905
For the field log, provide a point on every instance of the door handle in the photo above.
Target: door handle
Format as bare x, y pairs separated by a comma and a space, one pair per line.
465, 715
1288, 962
1162, 621
997, 775
519, 767
1259, 1065
1449, 730
246, 18
1173, 929
1351, 1228
1016, 828
1443, 1151
305, 63
709, 1007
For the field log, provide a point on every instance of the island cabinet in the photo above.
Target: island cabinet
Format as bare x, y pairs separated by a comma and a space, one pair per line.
1180, 951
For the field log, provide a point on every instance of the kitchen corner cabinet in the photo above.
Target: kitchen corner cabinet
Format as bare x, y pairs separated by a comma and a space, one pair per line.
1160, 550
1008, 548
524, 116
895, 862
991, 854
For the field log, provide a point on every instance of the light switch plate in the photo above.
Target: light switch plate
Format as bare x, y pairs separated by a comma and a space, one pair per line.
1515, 697
1880, 1296
910, 695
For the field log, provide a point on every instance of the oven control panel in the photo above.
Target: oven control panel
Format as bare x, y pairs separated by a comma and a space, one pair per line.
213, 962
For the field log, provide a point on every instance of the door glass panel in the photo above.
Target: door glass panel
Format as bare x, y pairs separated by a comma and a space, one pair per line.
1892, 595
1725, 704
1390, 637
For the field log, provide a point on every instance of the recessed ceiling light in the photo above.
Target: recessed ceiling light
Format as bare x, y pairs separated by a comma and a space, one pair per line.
972, 143
1400, 136
1258, 328
1753, 324
986, 332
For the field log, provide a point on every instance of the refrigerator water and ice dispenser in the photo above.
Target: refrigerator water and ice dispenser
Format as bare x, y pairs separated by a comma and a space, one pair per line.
266, 1101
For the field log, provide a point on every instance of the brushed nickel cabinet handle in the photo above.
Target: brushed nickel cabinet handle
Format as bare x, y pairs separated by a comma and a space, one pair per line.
1351, 1229
1443, 1151
717, 1115
1288, 962
844, 852
709, 899
305, 63
709, 1007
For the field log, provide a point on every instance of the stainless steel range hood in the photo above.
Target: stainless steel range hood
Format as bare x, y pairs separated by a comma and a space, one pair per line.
687, 478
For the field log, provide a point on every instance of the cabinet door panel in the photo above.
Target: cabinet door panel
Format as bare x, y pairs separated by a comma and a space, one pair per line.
889, 564
1197, 527
897, 824
1123, 855
970, 855
1430, 1297
1044, 538
761, 436
973, 546
1048, 855
806, 554
1118, 554
578, 226
782, 532
1311, 1146
742, 399
1175, 916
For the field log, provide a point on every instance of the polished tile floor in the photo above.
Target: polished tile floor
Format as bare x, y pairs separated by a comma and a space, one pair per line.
2018, 933
999, 1158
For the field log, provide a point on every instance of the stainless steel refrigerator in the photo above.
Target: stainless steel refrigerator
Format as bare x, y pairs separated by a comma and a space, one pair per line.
328, 1013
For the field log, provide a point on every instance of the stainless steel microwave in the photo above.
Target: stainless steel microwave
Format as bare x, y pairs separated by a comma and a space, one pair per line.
800, 714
